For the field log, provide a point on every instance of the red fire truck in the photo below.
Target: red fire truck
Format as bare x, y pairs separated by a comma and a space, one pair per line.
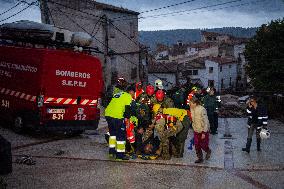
49, 89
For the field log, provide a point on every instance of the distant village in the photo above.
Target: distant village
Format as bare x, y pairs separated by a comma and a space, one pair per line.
218, 61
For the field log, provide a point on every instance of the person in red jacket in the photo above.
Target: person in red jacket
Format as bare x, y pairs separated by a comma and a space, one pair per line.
138, 90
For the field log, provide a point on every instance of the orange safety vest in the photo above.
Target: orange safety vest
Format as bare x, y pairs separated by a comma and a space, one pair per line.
130, 135
189, 97
138, 93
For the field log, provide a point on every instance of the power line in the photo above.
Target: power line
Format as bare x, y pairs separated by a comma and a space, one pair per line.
232, 6
168, 6
124, 34
29, 5
189, 10
10, 8
182, 11
95, 27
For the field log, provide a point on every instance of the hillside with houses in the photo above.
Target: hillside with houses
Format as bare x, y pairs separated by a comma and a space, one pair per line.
218, 60
170, 37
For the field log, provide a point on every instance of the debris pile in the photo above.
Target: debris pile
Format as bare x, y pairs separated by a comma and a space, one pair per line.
230, 107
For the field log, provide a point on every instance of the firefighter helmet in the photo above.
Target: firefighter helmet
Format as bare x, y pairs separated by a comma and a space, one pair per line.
121, 83
121, 80
264, 133
160, 94
159, 84
194, 89
150, 90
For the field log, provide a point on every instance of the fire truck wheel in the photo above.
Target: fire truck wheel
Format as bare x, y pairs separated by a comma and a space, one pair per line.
18, 124
76, 133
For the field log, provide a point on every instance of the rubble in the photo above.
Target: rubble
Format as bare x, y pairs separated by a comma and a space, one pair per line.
230, 107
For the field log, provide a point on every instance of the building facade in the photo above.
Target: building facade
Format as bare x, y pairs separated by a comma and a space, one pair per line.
221, 73
114, 31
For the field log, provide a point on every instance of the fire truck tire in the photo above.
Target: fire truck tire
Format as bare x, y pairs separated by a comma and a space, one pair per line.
18, 126
76, 133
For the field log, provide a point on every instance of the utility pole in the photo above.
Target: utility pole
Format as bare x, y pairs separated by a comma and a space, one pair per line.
105, 25
45, 12
106, 47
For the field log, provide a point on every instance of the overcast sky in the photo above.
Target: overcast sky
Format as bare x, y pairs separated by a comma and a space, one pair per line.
242, 13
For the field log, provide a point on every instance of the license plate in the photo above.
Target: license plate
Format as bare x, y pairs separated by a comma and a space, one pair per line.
56, 111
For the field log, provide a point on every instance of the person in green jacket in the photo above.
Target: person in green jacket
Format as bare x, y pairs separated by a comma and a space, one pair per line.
211, 105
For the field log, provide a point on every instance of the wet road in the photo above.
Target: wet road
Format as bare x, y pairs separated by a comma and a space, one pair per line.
81, 162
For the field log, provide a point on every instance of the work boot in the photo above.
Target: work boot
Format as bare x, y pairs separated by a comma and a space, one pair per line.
258, 141
208, 155
199, 157
247, 148
122, 158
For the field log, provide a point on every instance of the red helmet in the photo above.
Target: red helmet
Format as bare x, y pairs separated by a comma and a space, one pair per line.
150, 90
160, 94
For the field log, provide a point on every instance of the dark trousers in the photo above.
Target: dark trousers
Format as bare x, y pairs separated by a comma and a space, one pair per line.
213, 121
117, 129
178, 141
201, 144
216, 120
251, 131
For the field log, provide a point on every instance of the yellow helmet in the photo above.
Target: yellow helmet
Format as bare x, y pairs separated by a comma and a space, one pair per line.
194, 89
156, 108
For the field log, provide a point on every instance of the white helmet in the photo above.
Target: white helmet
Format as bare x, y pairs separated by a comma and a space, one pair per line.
264, 134
208, 89
159, 84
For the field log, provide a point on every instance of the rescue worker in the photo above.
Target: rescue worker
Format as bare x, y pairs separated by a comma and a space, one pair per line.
178, 141
144, 115
200, 125
131, 125
148, 96
138, 91
159, 85
257, 119
191, 94
120, 86
211, 106
163, 100
165, 126
179, 98
115, 112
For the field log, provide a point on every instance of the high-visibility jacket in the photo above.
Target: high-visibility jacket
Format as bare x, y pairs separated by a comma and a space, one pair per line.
189, 97
257, 116
130, 125
116, 107
138, 93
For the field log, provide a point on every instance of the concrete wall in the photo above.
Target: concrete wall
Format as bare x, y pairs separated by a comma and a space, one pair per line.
211, 76
228, 71
74, 20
